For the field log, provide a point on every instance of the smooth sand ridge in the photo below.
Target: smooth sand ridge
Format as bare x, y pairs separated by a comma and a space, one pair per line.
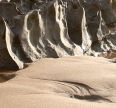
82, 82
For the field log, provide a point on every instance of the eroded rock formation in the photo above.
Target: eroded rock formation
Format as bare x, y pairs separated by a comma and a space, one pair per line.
34, 29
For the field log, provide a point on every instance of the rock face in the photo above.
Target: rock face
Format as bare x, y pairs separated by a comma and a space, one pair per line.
34, 29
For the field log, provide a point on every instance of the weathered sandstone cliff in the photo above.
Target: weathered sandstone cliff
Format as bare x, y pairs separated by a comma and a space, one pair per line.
34, 29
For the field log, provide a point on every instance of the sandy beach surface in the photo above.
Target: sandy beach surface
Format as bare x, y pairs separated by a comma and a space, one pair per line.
69, 82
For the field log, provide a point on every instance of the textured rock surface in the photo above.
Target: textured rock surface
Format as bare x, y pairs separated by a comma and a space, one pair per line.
35, 29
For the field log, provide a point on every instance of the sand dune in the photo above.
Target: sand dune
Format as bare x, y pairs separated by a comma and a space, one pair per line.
69, 82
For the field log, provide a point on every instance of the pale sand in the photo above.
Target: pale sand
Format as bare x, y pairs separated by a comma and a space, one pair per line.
69, 82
